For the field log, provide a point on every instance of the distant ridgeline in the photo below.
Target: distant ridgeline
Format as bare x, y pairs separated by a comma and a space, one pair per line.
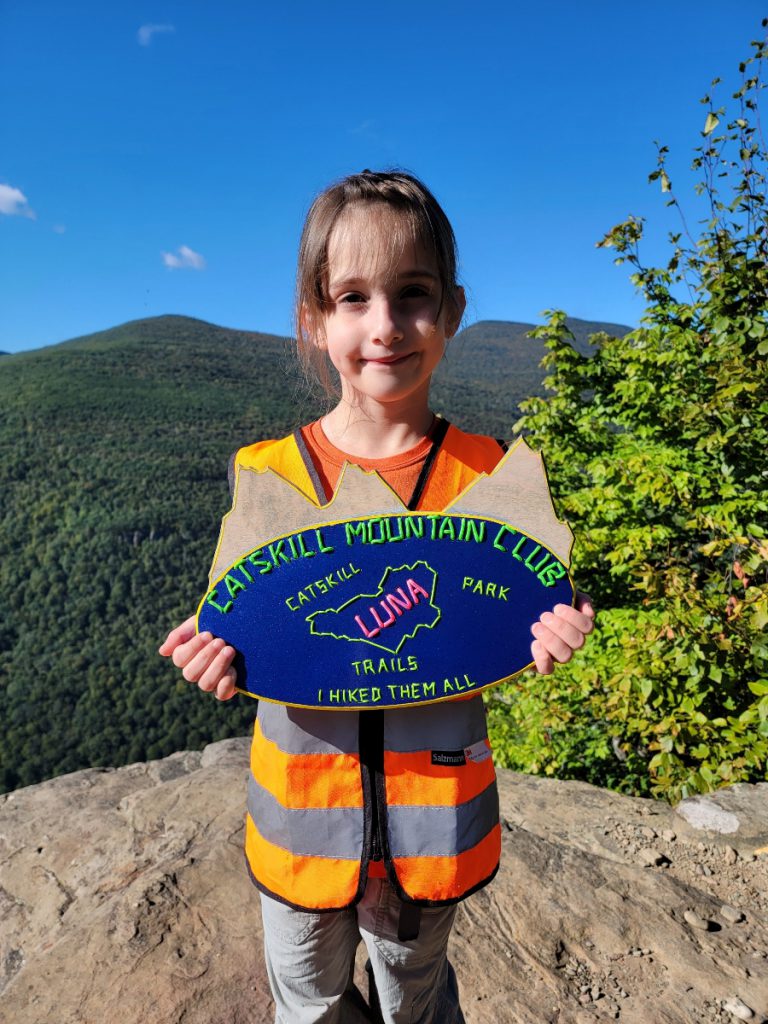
115, 449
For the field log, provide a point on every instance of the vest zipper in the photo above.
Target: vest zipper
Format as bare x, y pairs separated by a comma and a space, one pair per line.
371, 743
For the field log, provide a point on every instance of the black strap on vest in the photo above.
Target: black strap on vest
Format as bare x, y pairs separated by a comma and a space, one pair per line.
440, 429
311, 468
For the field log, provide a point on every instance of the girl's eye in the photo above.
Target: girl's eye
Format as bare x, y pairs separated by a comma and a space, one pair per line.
351, 298
415, 291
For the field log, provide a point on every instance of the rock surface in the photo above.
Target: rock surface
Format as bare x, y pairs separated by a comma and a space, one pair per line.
123, 896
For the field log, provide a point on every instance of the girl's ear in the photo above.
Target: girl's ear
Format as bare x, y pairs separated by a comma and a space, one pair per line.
455, 312
312, 328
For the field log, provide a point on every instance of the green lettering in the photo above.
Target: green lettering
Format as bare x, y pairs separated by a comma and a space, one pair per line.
551, 574
263, 566
390, 536
373, 524
535, 551
540, 565
276, 552
302, 549
241, 566
476, 529
519, 544
499, 536
211, 600
321, 545
233, 585
414, 526
446, 529
352, 530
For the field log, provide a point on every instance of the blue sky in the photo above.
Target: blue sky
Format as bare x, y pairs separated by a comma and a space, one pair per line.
159, 157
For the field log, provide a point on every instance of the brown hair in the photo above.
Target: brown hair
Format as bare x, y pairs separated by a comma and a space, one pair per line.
416, 217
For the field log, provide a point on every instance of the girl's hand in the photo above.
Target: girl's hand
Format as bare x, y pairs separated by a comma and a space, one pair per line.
203, 659
561, 632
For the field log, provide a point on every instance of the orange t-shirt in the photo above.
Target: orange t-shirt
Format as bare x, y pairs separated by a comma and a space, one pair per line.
400, 471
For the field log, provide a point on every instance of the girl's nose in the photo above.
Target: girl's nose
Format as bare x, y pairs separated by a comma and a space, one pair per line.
386, 326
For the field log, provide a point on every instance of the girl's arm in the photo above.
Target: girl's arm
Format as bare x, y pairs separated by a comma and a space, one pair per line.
203, 659
561, 632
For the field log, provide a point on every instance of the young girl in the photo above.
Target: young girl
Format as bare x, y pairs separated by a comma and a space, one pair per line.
353, 827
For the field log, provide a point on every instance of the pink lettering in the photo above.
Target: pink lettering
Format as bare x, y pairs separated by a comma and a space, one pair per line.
398, 604
414, 589
361, 624
389, 612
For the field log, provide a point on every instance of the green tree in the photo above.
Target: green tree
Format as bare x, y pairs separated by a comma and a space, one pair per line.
656, 447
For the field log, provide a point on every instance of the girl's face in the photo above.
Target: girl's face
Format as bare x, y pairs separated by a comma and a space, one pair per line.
387, 321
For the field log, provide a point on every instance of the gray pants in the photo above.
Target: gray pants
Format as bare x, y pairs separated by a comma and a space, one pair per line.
310, 958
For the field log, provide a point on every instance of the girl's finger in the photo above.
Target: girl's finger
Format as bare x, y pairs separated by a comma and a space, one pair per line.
197, 665
180, 635
579, 619
541, 659
216, 668
552, 643
570, 634
226, 687
184, 653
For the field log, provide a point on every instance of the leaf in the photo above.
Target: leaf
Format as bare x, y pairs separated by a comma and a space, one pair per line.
711, 123
666, 184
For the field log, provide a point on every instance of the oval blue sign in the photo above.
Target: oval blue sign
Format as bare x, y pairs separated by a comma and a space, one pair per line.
378, 612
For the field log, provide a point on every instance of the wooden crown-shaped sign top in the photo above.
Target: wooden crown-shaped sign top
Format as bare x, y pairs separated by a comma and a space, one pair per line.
362, 604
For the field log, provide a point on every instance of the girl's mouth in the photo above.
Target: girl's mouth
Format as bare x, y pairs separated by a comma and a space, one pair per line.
389, 360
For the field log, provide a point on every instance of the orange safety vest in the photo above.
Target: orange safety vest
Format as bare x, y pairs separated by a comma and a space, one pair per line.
329, 791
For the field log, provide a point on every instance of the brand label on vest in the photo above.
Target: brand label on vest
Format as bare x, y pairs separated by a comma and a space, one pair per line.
478, 752
449, 757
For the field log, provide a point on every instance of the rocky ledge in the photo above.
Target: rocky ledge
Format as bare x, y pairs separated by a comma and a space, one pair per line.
123, 895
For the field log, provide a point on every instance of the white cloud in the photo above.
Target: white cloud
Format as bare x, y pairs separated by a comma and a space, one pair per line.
14, 203
146, 32
59, 229
183, 259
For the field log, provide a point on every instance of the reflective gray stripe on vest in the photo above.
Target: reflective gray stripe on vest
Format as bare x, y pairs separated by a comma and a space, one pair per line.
451, 725
301, 731
313, 832
442, 831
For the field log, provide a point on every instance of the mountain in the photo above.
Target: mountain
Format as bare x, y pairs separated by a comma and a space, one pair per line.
491, 366
112, 488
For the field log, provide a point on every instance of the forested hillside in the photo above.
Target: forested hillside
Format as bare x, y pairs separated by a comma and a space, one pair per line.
114, 450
